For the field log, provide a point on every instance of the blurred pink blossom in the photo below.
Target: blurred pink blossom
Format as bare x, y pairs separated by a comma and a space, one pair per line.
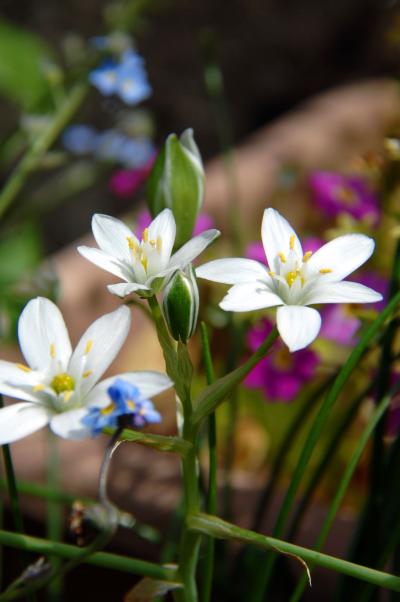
281, 374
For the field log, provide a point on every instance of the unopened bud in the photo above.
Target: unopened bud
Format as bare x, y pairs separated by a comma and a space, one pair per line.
181, 304
176, 182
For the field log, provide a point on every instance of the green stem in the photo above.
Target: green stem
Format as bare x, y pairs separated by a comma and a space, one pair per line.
215, 393
40, 146
313, 436
321, 469
343, 485
54, 515
103, 559
211, 525
211, 504
12, 485
163, 443
179, 368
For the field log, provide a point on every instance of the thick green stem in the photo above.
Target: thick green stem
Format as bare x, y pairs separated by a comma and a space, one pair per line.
211, 525
313, 436
211, 505
40, 146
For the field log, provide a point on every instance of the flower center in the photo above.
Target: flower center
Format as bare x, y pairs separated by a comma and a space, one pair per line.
346, 195
141, 252
62, 382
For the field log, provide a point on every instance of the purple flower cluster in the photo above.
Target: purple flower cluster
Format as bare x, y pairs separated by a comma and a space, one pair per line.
335, 193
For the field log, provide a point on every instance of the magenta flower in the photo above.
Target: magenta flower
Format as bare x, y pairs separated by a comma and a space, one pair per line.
281, 374
204, 222
336, 193
125, 182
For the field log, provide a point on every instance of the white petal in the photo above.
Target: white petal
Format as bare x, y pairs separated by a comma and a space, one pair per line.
193, 248
248, 297
342, 292
106, 262
342, 255
112, 236
98, 347
278, 236
122, 289
68, 424
298, 325
21, 419
148, 383
17, 382
164, 226
42, 334
233, 271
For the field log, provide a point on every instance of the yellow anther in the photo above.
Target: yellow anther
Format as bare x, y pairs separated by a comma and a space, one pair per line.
291, 242
159, 244
67, 395
302, 280
38, 388
282, 257
24, 368
87, 373
52, 350
272, 274
108, 409
152, 242
145, 235
89, 346
325, 271
131, 404
291, 277
307, 256
62, 382
143, 261
132, 244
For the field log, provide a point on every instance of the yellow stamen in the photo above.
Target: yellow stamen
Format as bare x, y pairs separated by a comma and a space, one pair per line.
87, 373
272, 274
143, 261
108, 409
67, 395
89, 346
282, 257
291, 277
131, 243
24, 368
52, 351
307, 256
325, 271
159, 244
39, 387
131, 404
145, 235
291, 243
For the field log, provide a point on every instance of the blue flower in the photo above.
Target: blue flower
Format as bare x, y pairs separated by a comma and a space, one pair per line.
80, 139
104, 78
127, 408
127, 78
135, 153
109, 145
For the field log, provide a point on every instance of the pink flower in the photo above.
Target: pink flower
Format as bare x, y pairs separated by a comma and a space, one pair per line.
204, 222
336, 193
281, 374
125, 182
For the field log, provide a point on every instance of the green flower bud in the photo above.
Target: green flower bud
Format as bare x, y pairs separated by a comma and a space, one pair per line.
176, 182
181, 304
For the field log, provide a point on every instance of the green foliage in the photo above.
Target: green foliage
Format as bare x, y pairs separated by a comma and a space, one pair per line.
22, 57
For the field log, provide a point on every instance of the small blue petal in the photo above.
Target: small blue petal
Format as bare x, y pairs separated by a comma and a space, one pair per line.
104, 78
79, 139
136, 153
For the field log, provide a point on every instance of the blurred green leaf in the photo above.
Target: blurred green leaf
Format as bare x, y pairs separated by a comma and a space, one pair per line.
20, 251
22, 56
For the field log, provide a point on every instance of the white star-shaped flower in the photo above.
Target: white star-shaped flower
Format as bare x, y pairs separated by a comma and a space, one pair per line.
145, 265
59, 385
293, 280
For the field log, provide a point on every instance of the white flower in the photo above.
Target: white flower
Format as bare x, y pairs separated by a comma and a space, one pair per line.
58, 386
146, 265
293, 280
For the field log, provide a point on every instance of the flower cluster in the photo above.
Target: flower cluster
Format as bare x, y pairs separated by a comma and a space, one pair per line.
127, 78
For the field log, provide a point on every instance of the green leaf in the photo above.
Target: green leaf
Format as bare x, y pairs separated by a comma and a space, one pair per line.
22, 54
20, 251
